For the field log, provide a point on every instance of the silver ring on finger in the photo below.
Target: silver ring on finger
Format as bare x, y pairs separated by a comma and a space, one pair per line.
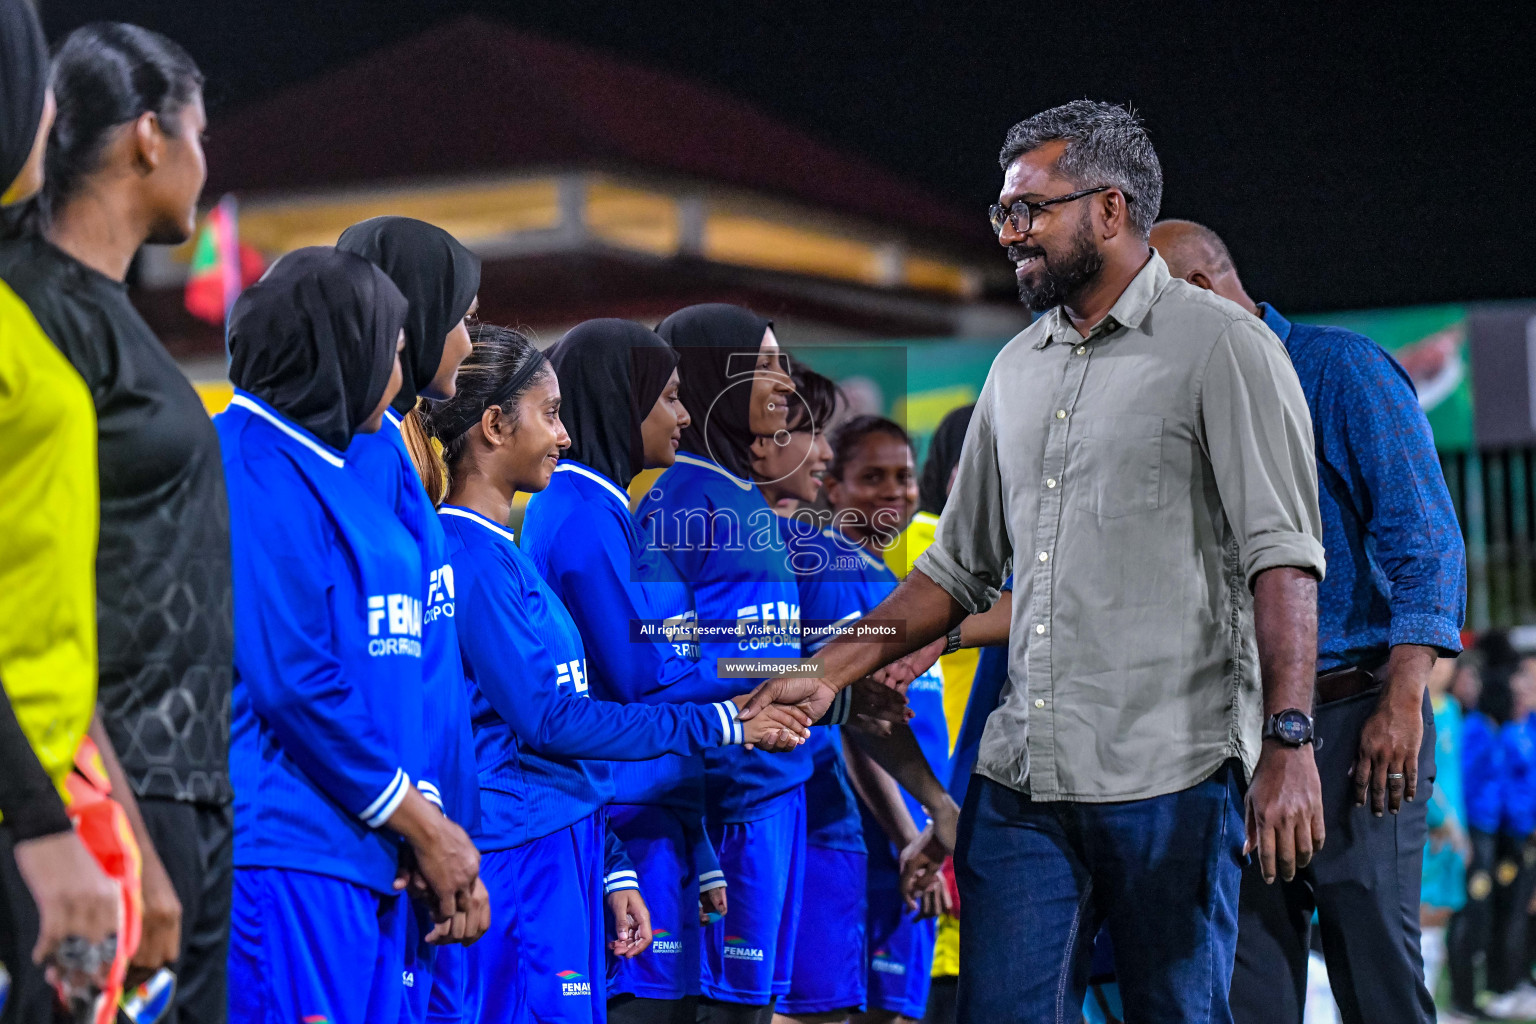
1395, 775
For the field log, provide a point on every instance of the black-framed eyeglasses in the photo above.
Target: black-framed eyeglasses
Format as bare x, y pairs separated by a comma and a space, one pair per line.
1022, 213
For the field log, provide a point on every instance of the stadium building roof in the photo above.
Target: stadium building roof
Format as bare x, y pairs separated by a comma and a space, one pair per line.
592, 187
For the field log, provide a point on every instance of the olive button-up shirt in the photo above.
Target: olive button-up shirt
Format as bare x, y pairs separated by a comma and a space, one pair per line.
1136, 481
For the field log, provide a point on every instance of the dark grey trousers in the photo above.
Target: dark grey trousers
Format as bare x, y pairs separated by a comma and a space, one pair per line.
1363, 884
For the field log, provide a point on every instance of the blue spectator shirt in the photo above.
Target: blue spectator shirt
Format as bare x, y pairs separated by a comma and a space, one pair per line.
1397, 570
1482, 772
1519, 742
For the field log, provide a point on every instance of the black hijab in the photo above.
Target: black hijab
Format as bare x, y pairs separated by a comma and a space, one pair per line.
436, 274
23, 83
716, 389
611, 373
315, 339
943, 454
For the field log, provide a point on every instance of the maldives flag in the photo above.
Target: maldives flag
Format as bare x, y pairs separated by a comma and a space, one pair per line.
221, 265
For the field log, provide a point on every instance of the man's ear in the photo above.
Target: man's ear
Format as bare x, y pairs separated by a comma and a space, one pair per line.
1112, 213
761, 447
148, 142
1199, 280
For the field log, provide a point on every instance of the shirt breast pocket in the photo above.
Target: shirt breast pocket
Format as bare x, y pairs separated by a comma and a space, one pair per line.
1115, 465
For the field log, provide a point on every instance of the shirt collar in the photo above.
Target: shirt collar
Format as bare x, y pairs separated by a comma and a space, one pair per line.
694, 460
460, 512
249, 402
1275, 322
1128, 311
571, 466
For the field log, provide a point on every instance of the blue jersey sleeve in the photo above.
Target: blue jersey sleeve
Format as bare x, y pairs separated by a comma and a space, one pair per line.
605, 599
618, 870
500, 637
705, 859
287, 659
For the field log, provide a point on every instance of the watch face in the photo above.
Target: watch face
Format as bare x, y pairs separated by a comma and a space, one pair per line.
1292, 727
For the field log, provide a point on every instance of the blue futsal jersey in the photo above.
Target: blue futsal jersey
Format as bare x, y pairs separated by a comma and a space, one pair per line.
834, 591
613, 586
537, 736
449, 780
719, 532
325, 731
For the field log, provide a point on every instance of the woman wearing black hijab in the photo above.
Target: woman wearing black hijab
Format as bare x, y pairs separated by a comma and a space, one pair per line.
439, 278
48, 503
621, 406
326, 735
735, 387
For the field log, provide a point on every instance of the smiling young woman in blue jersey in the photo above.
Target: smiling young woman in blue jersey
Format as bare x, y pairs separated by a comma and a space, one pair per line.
548, 858
827, 978
735, 387
619, 388
327, 704
871, 485
439, 277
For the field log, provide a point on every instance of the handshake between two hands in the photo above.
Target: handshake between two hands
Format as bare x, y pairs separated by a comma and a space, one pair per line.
781, 711
778, 715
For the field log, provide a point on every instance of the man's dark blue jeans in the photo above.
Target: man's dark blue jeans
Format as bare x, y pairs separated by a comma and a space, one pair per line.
1038, 879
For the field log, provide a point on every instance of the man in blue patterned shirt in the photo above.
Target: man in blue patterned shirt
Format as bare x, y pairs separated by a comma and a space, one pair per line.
1392, 601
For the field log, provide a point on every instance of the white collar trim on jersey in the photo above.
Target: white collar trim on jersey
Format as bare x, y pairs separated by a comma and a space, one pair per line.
252, 404
844, 543
575, 467
694, 460
476, 517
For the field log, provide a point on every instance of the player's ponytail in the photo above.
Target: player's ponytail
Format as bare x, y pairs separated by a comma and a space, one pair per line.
425, 455
502, 365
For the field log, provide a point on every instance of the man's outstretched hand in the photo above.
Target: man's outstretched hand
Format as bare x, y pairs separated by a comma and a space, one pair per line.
903, 670
808, 693
877, 707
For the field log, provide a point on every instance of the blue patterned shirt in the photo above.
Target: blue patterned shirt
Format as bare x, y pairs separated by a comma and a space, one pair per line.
1397, 569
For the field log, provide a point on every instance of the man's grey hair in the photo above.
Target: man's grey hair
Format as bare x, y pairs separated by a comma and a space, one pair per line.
1106, 145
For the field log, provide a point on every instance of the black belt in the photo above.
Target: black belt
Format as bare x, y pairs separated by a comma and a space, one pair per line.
1349, 681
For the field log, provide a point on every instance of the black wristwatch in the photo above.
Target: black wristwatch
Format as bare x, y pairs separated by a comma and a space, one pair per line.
1293, 727
952, 641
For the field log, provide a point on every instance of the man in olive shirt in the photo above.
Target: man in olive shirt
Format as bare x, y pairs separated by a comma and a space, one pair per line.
1141, 457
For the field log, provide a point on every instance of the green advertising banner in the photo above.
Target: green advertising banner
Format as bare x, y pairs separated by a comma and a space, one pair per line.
1431, 343
917, 381
914, 382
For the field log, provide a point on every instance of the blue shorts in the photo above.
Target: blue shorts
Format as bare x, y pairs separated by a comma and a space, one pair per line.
749, 954
306, 947
543, 958
655, 840
447, 1003
415, 921
900, 945
829, 946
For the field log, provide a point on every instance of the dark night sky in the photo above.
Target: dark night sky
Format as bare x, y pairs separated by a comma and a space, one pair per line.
1350, 159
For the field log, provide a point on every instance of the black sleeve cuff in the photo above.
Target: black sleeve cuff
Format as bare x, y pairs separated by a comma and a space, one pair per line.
840, 710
